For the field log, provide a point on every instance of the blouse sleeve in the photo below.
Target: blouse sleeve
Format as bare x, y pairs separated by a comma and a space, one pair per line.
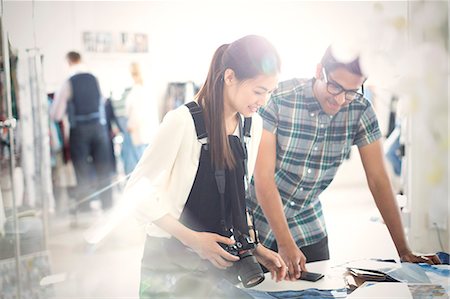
153, 171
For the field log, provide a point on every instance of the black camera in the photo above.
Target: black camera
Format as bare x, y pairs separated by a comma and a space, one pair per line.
247, 268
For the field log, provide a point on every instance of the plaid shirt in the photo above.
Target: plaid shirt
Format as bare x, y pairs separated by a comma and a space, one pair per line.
310, 147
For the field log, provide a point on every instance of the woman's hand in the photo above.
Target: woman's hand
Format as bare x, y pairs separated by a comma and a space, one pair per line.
207, 247
204, 244
272, 261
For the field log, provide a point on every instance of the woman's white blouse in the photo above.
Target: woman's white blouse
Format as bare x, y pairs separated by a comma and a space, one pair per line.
164, 176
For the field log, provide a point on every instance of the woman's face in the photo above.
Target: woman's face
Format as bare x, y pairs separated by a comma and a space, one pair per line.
248, 95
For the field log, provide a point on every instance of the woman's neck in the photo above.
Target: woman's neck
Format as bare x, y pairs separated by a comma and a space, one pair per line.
231, 120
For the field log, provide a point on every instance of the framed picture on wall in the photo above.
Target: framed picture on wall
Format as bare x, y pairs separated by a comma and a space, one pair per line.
101, 42
141, 42
107, 42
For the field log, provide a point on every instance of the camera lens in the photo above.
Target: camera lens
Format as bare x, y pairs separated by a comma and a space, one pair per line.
249, 270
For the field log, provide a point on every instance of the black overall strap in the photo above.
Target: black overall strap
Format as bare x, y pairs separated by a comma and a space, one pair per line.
197, 116
202, 136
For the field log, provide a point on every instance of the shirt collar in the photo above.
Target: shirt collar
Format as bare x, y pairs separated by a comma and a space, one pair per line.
311, 102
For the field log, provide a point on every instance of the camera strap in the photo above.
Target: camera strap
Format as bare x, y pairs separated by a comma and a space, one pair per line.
245, 137
219, 174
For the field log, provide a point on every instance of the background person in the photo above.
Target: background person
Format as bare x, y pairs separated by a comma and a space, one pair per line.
80, 98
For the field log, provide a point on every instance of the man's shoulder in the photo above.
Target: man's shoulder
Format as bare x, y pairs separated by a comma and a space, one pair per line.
82, 78
291, 86
362, 105
80, 75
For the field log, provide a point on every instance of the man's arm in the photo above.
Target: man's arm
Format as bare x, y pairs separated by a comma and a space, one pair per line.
270, 201
380, 186
59, 105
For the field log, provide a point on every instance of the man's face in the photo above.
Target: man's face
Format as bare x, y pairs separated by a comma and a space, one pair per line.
335, 88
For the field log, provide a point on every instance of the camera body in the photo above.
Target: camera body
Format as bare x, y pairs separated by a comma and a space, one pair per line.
247, 268
243, 243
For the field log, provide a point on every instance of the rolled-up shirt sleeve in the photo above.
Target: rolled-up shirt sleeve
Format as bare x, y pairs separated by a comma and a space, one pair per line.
269, 114
368, 130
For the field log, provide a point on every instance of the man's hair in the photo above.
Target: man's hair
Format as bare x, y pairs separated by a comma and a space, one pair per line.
73, 56
330, 63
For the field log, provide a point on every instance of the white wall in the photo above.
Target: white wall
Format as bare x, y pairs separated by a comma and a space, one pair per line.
184, 34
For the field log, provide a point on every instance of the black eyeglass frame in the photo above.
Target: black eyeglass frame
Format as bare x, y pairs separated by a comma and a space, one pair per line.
350, 95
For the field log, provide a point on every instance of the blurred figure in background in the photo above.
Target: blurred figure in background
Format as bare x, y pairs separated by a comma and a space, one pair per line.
141, 111
81, 99
137, 117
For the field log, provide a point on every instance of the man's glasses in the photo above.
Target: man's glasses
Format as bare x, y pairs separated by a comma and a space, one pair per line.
335, 89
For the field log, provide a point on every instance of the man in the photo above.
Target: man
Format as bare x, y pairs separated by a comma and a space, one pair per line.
309, 128
81, 99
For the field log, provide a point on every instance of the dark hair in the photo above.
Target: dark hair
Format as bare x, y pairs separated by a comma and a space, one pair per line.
248, 57
73, 56
330, 63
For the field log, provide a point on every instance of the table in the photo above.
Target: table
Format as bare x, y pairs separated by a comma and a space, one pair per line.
333, 279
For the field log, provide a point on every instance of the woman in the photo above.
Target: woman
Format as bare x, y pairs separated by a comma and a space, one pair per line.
141, 112
174, 183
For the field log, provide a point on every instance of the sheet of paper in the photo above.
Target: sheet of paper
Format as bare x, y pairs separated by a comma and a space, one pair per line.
409, 273
372, 265
382, 290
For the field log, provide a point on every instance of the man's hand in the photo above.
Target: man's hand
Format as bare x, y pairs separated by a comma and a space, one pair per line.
272, 261
410, 257
295, 260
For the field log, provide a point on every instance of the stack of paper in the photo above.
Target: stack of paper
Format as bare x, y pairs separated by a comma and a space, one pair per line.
382, 290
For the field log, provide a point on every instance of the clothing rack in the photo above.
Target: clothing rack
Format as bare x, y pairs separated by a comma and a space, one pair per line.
10, 124
26, 192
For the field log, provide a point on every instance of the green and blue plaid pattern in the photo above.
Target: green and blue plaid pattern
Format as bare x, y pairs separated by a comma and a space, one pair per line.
311, 145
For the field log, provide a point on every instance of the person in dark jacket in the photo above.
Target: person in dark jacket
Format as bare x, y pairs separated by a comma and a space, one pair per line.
80, 99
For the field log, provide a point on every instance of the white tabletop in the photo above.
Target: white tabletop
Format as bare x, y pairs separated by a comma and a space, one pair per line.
333, 279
